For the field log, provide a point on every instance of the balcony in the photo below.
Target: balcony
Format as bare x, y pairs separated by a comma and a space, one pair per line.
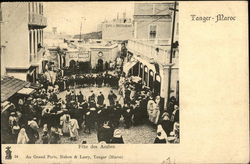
34, 60
148, 50
37, 20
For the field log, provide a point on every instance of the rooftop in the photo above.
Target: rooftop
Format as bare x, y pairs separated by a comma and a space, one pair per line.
11, 85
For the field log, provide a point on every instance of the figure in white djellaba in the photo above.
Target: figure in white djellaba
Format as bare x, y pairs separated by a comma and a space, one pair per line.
153, 111
65, 122
73, 129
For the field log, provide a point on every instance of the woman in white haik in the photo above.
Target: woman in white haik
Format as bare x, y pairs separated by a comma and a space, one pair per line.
22, 137
65, 122
161, 135
73, 129
153, 111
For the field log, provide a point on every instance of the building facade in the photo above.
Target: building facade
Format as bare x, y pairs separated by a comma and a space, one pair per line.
118, 29
22, 38
150, 48
92, 55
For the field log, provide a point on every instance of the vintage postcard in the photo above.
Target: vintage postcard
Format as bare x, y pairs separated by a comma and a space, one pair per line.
124, 82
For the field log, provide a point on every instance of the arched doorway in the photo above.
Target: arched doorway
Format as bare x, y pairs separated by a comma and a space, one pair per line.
141, 70
72, 66
136, 69
151, 80
44, 63
157, 85
99, 65
63, 61
145, 75
84, 67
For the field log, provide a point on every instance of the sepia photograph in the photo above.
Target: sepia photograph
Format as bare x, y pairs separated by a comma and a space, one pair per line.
90, 73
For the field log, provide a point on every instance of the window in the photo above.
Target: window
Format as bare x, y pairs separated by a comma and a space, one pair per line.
152, 31
36, 5
29, 6
41, 8
33, 6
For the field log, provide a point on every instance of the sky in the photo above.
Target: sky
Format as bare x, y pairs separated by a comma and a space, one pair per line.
67, 16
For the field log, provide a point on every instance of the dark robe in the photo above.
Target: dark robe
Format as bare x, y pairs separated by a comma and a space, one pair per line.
115, 140
100, 99
167, 126
105, 134
80, 98
157, 140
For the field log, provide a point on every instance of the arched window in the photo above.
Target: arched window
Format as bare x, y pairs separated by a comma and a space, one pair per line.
136, 69
146, 75
151, 79
141, 70
157, 85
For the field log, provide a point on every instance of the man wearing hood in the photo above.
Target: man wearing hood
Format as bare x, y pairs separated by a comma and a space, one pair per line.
166, 124
100, 99
117, 137
161, 135
127, 114
105, 133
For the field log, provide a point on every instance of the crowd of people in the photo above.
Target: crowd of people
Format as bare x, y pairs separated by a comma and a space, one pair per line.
65, 117
86, 80
134, 105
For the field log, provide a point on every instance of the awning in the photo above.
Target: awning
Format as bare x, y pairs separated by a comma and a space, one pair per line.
6, 105
35, 86
26, 91
135, 79
10, 86
128, 66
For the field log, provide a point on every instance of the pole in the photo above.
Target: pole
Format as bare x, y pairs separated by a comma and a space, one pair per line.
80, 32
171, 55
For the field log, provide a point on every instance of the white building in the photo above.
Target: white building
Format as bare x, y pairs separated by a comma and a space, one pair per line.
89, 55
151, 46
22, 27
117, 29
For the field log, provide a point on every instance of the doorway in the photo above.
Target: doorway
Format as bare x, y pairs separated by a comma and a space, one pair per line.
84, 67
99, 65
157, 85
72, 66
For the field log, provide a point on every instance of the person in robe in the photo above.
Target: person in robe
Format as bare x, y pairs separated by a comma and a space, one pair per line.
88, 122
73, 129
115, 116
80, 97
112, 98
22, 137
45, 137
100, 99
161, 135
127, 114
176, 132
117, 137
92, 96
175, 114
32, 131
105, 133
166, 124
54, 136
65, 123
153, 111
15, 130
137, 113
45, 128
